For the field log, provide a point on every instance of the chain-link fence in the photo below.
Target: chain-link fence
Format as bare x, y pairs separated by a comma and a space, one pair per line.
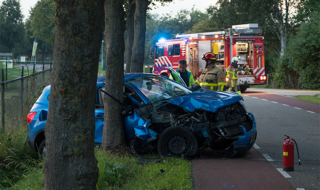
19, 92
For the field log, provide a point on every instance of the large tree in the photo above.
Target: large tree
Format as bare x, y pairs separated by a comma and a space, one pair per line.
11, 25
138, 48
282, 20
113, 132
130, 9
302, 55
137, 58
42, 27
41, 21
70, 161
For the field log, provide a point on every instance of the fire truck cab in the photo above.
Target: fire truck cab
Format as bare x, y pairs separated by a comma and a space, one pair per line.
242, 41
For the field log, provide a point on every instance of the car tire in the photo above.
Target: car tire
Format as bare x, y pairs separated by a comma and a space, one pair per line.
177, 141
42, 148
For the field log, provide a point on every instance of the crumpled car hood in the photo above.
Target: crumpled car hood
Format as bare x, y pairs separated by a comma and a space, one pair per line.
206, 100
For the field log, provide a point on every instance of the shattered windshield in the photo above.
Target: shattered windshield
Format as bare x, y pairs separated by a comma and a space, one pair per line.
157, 88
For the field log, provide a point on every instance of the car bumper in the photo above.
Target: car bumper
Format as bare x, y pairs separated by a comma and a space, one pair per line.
249, 137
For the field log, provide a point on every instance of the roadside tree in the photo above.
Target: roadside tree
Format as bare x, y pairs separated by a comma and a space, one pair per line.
11, 25
70, 161
300, 65
138, 48
113, 131
137, 57
42, 21
130, 9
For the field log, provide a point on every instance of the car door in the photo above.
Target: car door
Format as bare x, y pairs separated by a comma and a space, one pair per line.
137, 123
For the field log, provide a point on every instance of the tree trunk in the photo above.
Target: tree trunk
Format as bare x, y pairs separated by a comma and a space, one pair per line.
130, 33
282, 42
70, 161
113, 131
137, 57
286, 25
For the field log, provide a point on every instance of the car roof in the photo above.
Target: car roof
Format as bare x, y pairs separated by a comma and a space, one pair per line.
127, 76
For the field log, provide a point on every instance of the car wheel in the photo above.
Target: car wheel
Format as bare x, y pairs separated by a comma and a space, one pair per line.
42, 148
177, 141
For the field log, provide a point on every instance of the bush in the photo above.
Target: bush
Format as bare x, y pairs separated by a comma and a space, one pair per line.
302, 57
286, 77
16, 157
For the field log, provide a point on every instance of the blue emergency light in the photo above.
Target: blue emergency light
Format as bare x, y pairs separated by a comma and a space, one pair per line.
162, 40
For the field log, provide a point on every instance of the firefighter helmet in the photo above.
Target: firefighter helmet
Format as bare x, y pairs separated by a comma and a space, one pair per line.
234, 59
208, 56
234, 62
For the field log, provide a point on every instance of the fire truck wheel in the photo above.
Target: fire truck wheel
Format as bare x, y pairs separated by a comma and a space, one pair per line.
243, 88
175, 141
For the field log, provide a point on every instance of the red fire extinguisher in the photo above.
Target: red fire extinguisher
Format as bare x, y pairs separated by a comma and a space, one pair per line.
288, 154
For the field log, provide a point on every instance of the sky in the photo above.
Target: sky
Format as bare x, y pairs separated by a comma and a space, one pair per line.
173, 7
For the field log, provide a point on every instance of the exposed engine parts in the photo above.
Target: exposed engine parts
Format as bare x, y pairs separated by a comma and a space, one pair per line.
219, 130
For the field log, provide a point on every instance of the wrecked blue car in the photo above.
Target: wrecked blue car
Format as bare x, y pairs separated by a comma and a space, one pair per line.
161, 114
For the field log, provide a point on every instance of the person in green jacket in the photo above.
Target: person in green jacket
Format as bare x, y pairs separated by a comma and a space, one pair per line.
183, 73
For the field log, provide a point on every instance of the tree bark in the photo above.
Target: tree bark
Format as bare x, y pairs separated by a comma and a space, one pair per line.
130, 33
113, 131
137, 57
70, 161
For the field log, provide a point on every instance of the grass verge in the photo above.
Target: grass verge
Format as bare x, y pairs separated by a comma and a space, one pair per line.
123, 172
14, 73
16, 157
310, 98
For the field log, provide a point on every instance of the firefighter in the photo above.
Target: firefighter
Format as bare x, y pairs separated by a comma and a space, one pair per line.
212, 77
232, 74
183, 73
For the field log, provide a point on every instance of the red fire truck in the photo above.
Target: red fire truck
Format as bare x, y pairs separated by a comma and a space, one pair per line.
242, 41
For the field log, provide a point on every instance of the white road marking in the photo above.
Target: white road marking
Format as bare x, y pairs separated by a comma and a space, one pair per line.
284, 173
264, 100
301, 189
268, 158
244, 95
310, 111
254, 97
285, 104
256, 146
297, 108
274, 102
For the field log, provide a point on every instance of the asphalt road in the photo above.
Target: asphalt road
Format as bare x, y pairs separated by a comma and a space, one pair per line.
277, 114
283, 117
